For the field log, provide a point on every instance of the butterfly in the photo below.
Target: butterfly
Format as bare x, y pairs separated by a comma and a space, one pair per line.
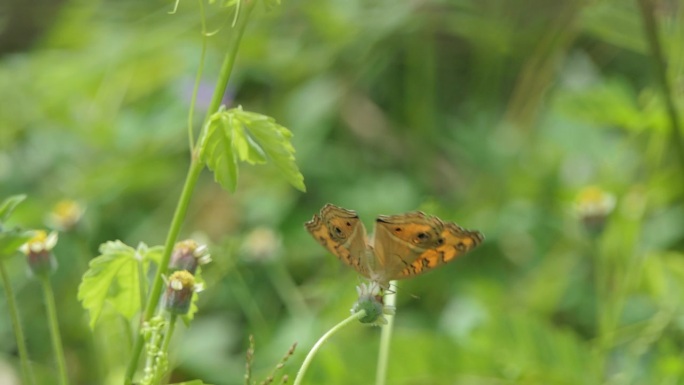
402, 245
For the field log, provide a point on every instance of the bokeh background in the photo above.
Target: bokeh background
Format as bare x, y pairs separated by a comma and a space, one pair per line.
540, 123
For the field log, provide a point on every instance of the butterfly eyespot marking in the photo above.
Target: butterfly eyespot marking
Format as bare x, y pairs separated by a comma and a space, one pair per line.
421, 237
337, 230
397, 229
461, 246
440, 241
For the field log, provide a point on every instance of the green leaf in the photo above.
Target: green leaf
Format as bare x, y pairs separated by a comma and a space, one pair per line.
11, 240
8, 205
152, 254
246, 149
274, 139
114, 277
193, 382
235, 134
216, 151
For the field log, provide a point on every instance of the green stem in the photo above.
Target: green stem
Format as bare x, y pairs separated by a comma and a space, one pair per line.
651, 31
198, 76
54, 329
26, 373
190, 181
385, 338
142, 281
605, 276
248, 302
319, 343
228, 62
287, 289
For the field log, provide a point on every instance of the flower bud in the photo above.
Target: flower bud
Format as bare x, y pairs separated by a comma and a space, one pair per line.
179, 290
594, 205
65, 215
187, 255
371, 300
38, 251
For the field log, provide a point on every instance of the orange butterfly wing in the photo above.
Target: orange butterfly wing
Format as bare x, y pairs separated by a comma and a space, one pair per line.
403, 245
413, 243
343, 234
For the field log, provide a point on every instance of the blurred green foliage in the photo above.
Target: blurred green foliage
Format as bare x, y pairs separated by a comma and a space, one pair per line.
494, 114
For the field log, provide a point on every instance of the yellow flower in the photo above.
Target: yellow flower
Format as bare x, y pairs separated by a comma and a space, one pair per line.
188, 254
41, 241
180, 287
65, 214
593, 205
38, 251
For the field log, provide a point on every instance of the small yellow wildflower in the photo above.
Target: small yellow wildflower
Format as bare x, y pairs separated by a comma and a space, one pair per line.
38, 251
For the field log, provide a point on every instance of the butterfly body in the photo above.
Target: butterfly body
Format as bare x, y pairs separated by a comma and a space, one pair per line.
402, 245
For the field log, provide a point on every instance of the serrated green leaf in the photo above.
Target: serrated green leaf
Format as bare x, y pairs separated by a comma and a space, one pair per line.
8, 205
247, 150
11, 240
235, 134
217, 153
114, 277
274, 140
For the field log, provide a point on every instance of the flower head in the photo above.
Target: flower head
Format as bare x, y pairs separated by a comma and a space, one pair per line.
65, 214
371, 300
188, 254
262, 243
180, 287
38, 251
593, 205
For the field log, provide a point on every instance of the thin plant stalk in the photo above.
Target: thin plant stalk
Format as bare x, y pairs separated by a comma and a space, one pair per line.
196, 166
198, 77
386, 337
54, 329
288, 290
319, 343
539, 69
602, 306
26, 373
190, 182
247, 301
651, 31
